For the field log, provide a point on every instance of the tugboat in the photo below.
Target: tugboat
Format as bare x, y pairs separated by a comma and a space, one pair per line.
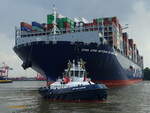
75, 86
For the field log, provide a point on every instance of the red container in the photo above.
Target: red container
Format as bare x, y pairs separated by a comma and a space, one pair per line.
95, 24
23, 24
50, 26
115, 21
106, 23
67, 25
94, 21
131, 43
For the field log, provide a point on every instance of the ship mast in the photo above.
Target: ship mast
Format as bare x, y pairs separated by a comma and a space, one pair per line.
55, 30
54, 22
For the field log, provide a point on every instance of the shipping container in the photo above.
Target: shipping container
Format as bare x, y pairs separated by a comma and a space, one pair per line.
131, 48
35, 28
66, 25
125, 44
115, 21
50, 26
26, 25
36, 24
25, 29
50, 19
98, 20
131, 43
61, 25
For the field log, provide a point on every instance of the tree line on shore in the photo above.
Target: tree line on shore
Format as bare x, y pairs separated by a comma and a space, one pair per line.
146, 73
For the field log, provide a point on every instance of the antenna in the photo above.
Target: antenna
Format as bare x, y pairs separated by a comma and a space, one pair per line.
54, 22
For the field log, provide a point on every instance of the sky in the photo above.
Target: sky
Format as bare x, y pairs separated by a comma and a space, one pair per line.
135, 13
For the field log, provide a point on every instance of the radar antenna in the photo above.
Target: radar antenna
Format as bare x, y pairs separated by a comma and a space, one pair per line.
55, 29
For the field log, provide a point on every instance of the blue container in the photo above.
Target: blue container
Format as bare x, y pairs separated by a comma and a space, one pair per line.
37, 24
25, 29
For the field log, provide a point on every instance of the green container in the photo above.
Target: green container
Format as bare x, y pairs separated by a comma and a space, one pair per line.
50, 16
37, 28
60, 25
71, 26
50, 19
58, 20
72, 23
99, 20
66, 20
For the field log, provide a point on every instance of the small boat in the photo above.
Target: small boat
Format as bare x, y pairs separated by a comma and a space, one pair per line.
5, 80
75, 86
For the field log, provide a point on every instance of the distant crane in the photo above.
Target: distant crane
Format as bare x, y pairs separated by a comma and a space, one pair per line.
4, 70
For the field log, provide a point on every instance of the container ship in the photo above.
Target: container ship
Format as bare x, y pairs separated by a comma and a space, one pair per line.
111, 57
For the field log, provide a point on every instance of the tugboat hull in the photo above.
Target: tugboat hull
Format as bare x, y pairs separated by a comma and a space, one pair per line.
88, 93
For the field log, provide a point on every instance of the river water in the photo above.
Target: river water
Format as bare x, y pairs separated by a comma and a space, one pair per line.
23, 97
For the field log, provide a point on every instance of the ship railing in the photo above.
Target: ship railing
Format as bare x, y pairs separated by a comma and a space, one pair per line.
19, 35
22, 34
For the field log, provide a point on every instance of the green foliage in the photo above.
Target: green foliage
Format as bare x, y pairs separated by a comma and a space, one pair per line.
147, 73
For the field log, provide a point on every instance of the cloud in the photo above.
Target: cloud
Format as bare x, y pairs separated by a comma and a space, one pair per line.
7, 55
139, 25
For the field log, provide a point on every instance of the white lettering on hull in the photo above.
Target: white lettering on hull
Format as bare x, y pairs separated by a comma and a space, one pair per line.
97, 51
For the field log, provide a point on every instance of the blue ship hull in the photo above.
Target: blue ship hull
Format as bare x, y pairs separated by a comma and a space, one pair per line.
85, 93
103, 63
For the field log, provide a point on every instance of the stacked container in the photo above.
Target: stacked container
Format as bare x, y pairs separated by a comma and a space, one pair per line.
50, 19
50, 26
131, 46
66, 23
25, 27
141, 63
112, 31
137, 52
125, 44
92, 26
134, 52
37, 27
98, 21
115, 21
107, 21
62, 23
